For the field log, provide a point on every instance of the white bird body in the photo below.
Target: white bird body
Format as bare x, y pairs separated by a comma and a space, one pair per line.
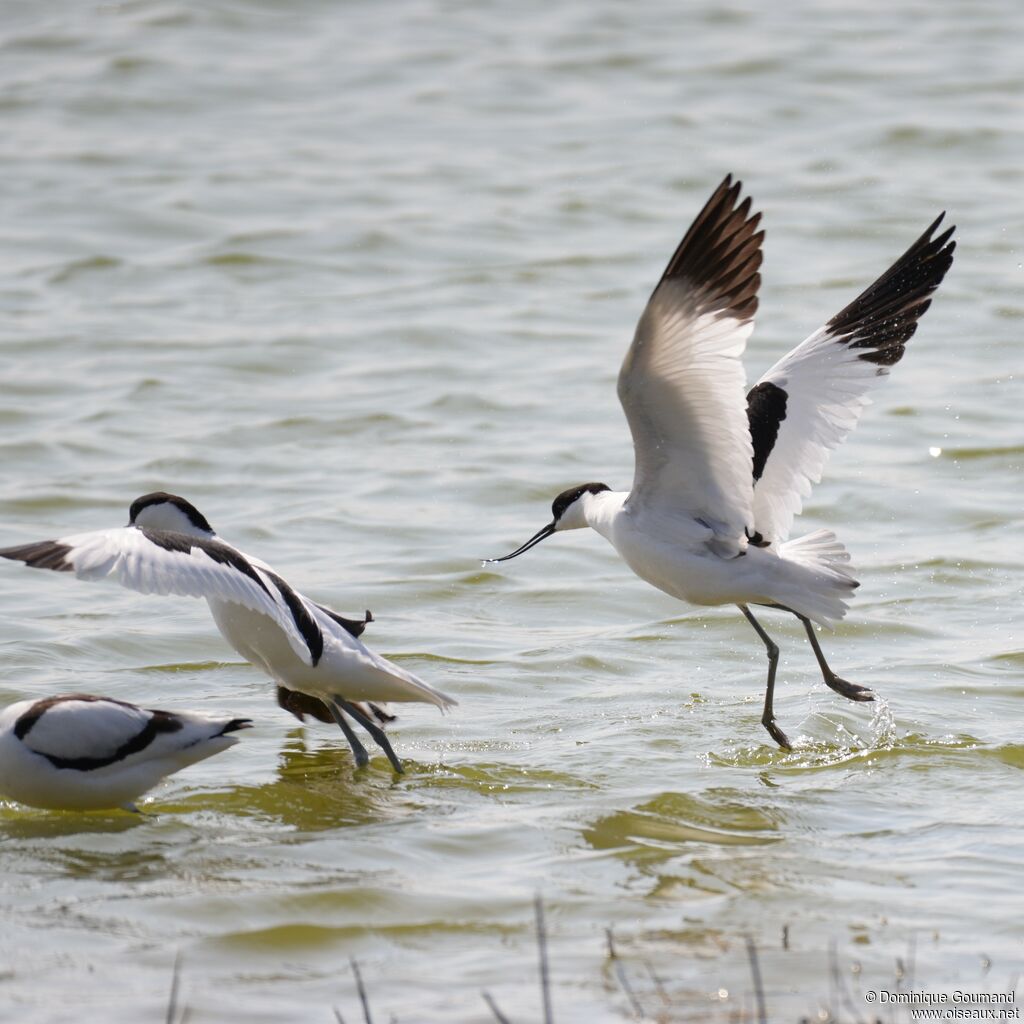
169, 548
80, 752
678, 555
346, 665
721, 472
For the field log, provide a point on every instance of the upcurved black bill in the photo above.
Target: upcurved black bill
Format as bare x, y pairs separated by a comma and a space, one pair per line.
535, 539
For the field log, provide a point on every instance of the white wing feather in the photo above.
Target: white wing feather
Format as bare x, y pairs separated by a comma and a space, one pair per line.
826, 385
85, 728
682, 387
128, 556
682, 382
826, 379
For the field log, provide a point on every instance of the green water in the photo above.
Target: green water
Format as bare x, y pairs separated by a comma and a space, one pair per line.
356, 279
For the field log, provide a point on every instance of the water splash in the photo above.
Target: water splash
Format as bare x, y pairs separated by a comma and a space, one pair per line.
883, 725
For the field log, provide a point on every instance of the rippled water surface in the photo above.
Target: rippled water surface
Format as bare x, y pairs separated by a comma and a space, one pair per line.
357, 279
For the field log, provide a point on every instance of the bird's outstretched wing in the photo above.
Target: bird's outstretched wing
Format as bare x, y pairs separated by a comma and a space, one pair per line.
808, 402
161, 562
682, 381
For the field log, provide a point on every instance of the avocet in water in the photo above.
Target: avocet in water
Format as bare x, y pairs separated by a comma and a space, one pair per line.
77, 752
720, 471
314, 654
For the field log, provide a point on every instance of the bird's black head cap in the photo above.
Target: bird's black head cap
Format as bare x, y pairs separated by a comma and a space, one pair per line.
566, 498
194, 516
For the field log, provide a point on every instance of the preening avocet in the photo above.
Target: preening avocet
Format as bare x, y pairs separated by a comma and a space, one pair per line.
720, 474
76, 752
314, 654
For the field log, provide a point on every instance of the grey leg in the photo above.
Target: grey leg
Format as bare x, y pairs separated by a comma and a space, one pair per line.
378, 734
768, 718
851, 691
362, 757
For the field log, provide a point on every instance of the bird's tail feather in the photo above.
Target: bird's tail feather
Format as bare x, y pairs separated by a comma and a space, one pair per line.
823, 589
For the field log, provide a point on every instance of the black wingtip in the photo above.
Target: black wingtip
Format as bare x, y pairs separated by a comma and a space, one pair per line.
720, 253
44, 554
354, 627
725, 185
884, 317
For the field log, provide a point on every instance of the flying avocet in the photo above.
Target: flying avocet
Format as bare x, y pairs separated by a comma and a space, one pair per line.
721, 472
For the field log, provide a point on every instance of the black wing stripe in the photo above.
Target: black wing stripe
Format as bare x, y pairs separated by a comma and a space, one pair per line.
227, 555
303, 620
26, 721
766, 409
221, 553
159, 722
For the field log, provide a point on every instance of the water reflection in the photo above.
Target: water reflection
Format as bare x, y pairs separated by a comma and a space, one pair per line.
26, 823
718, 815
315, 788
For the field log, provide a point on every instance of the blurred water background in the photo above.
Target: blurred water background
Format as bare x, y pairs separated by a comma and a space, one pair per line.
356, 279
